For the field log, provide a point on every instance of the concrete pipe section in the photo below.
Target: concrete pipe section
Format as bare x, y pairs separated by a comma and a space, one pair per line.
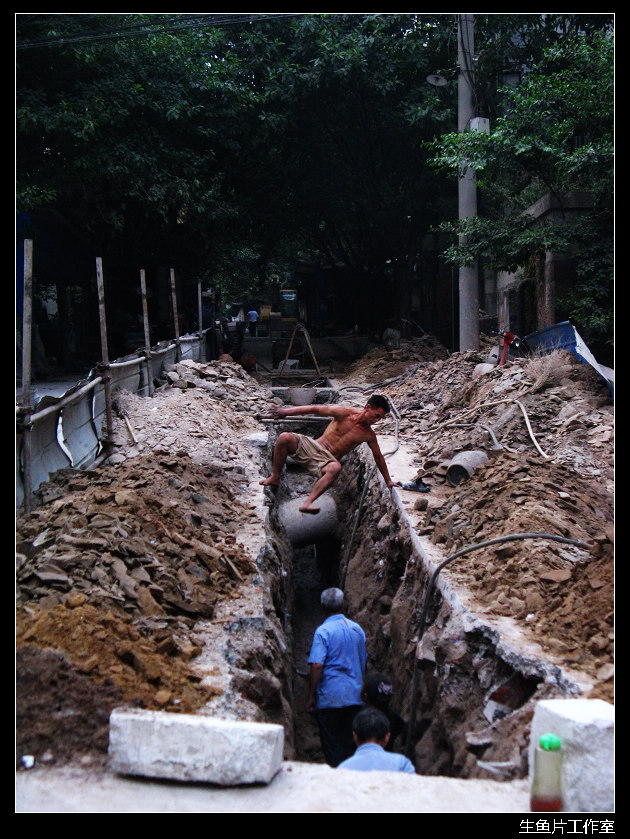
463, 465
307, 528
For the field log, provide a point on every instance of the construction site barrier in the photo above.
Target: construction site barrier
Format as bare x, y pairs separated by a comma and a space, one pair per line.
69, 431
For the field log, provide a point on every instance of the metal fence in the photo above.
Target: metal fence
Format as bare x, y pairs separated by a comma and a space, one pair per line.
70, 431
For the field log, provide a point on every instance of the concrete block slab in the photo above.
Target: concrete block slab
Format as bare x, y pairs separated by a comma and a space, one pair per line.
193, 747
587, 730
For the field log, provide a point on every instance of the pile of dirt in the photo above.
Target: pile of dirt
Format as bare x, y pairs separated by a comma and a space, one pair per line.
116, 565
61, 713
150, 537
545, 425
379, 365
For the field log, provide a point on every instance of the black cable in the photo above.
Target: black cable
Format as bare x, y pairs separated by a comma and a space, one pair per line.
149, 28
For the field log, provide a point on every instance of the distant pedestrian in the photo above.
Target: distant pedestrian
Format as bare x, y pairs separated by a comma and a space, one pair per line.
337, 662
370, 730
252, 322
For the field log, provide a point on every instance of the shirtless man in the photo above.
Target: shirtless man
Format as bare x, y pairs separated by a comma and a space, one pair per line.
348, 429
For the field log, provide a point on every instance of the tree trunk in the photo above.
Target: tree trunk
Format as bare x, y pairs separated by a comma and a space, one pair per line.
545, 289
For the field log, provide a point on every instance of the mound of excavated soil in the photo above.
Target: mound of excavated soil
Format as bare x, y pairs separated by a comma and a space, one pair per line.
111, 576
116, 566
550, 470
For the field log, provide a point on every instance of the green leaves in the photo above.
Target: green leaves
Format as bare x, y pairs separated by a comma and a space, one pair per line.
227, 148
556, 137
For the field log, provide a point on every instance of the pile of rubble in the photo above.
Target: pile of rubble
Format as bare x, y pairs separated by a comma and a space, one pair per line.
546, 428
107, 537
378, 365
116, 566
225, 381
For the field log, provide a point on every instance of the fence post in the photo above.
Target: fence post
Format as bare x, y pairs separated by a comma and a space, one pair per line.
104, 349
202, 351
27, 322
147, 337
215, 348
175, 318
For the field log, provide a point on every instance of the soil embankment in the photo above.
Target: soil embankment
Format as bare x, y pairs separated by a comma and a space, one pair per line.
128, 574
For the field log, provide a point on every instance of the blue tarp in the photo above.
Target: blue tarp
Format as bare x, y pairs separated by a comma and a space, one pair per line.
564, 336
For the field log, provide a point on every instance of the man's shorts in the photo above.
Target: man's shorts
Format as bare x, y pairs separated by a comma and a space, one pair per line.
312, 455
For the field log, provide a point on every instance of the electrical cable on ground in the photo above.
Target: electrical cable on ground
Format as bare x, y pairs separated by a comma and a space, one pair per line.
510, 401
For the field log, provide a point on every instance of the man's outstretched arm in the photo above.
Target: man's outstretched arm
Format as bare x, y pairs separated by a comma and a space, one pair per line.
317, 410
381, 463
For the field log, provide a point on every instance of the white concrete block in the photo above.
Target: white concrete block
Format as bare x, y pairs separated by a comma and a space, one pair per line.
191, 747
587, 730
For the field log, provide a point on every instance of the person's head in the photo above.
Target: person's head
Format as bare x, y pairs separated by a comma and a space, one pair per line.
332, 600
370, 726
376, 408
377, 690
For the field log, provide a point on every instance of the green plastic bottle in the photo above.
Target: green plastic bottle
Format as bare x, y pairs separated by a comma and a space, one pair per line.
546, 791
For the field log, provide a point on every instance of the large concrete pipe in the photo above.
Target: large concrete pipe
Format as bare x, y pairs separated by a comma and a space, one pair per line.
307, 528
463, 465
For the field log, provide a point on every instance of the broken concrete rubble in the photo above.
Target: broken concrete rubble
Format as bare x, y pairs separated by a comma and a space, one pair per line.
199, 452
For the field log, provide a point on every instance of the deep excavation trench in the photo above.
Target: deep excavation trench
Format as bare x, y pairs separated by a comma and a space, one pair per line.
475, 694
230, 637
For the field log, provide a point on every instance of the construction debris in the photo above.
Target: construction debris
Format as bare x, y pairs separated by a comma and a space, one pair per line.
118, 566
549, 469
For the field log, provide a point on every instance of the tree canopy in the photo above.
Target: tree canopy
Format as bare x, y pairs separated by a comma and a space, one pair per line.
233, 145
555, 137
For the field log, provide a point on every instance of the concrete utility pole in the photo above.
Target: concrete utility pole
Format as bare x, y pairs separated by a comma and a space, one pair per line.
468, 277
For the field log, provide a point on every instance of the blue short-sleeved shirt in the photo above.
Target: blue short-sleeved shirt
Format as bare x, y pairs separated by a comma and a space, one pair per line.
370, 757
339, 644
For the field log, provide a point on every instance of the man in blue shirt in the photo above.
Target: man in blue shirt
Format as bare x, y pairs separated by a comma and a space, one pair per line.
337, 661
371, 734
252, 322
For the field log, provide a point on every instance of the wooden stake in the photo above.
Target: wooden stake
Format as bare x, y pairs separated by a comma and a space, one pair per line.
147, 337
202, 355
175, 318
27, 322
104, 349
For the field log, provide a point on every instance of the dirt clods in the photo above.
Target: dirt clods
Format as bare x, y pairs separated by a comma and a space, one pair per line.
119, 568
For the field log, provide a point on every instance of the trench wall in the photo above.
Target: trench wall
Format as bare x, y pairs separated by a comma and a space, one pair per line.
259, 649
468, 697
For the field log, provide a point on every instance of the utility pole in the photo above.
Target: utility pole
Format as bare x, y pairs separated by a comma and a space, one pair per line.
467, 192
